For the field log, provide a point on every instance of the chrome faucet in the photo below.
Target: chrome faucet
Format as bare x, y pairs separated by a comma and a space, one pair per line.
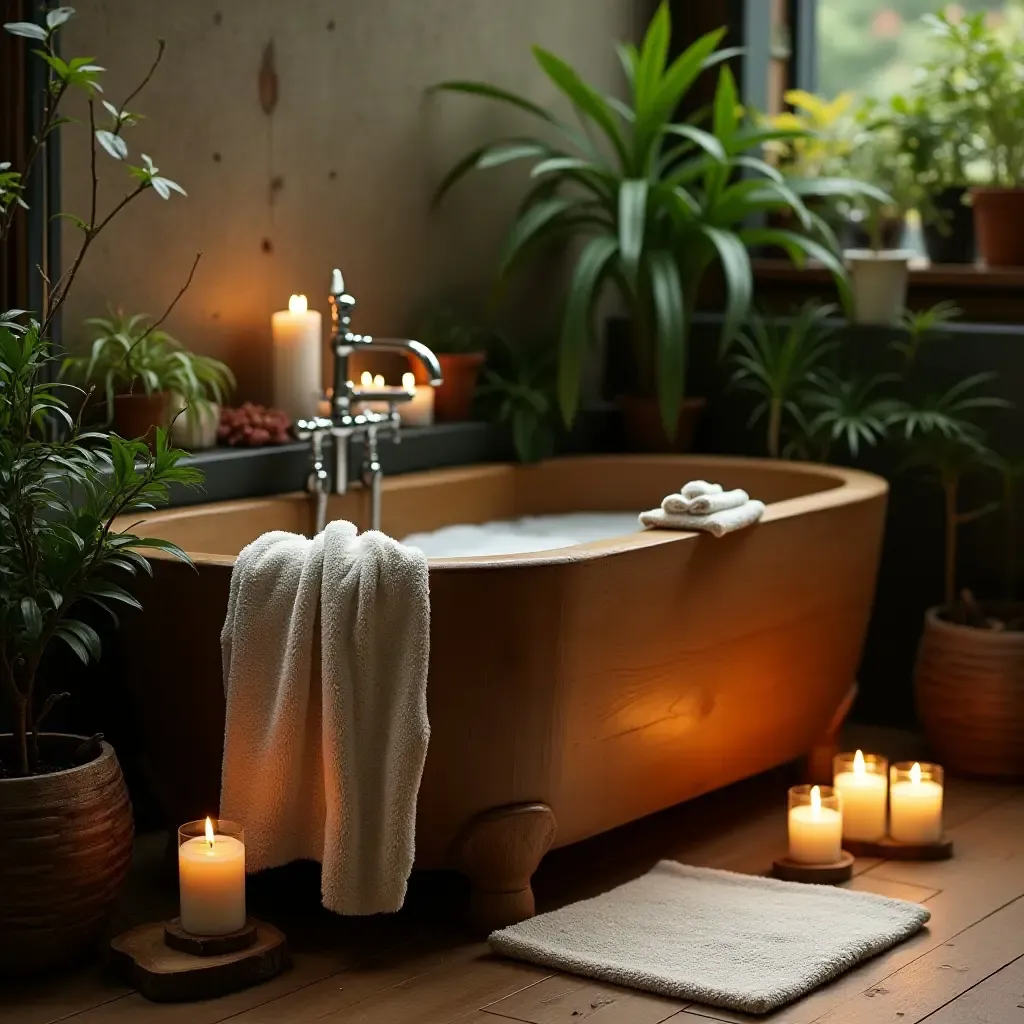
345, 423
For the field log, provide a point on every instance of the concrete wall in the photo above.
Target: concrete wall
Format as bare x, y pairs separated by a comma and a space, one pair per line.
340, 173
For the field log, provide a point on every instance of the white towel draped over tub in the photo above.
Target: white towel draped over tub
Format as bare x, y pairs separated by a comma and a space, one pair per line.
325, 651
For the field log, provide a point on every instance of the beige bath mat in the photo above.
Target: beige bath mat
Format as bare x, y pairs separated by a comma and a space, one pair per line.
714, 937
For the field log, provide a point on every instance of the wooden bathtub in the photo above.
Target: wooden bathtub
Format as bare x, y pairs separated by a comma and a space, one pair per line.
570, 691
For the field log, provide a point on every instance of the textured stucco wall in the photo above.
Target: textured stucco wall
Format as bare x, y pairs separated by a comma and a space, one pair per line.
340, 173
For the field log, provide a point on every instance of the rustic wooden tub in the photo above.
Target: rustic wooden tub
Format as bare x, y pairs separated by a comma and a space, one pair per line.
570, 691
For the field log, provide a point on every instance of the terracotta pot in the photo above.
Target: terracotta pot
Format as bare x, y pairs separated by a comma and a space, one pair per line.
645, 431
453, 400
999, 225
969, 685
65, 849
137, 416
950, 239
879, 279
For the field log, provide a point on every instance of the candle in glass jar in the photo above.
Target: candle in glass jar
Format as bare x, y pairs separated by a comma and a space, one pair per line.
297, 339
915, 803
815, 825
211, 878
863, 785
419, 412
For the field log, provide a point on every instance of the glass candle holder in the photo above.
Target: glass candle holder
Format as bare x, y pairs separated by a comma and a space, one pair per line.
211, 876
862, 781
815, 825
915, 802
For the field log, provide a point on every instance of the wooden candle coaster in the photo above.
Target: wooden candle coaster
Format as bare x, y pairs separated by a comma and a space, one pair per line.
165, 974
209, 945
817, 874
889, 849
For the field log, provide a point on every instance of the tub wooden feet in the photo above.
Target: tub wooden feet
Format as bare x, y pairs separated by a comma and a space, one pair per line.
499, 850
818, 765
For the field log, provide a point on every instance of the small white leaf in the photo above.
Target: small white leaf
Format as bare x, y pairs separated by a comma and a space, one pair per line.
112, 110
160, 187
94, 68
27, 29
174, 185
4, 165
58, 16
113, 144
148, 164
21, 202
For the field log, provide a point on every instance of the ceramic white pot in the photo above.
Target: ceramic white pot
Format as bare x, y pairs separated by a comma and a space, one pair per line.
195, 428
879, 280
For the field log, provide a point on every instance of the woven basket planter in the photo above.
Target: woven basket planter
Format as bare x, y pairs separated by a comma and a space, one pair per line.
970, 697
65, 848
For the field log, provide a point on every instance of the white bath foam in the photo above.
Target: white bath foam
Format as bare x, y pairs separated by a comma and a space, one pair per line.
519, 536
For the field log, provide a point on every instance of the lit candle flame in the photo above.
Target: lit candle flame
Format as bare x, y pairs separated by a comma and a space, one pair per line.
366, 380
915, 774
409, 381
859, 768
209, 832
297, 304
816, 798
378, 381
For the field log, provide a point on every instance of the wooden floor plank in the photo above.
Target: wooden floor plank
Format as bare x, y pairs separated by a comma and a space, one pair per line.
999, 999
565, 999
871, 882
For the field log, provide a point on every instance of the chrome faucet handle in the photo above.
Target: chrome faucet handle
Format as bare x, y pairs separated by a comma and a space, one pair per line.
317, 425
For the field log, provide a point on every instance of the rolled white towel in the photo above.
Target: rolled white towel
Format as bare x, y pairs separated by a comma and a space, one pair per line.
705, 504
718, 524
697, 488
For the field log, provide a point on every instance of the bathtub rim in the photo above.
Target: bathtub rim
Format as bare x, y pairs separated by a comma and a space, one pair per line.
849, 487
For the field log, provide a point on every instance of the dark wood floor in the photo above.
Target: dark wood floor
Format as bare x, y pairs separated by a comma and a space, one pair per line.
421, 967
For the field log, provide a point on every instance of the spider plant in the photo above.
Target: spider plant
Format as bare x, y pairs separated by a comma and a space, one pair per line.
654, 203
776, 360
126, 352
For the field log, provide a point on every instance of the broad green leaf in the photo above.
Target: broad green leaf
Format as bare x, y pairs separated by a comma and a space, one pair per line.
739, 279
32, 617
576, 328
683, 72
705, 140
650, 68
505, 153
72, 640
111, 592
529, 226
671, 323
492, 92
725, 117
632, 223
86, 634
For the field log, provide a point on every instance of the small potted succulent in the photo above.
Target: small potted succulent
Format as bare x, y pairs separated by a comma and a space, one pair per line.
653, 206
65, 816
149, 379
983, 65
461, 349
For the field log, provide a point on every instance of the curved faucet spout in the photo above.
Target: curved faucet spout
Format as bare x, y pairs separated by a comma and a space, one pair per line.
419, 350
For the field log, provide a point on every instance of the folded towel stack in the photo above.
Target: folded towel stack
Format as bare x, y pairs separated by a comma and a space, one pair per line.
704, 506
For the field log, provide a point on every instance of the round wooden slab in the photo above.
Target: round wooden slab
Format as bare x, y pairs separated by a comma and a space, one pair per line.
817, 874
164, 974
889, 849
209, 945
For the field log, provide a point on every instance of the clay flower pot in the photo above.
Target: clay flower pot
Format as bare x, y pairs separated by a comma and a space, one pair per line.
999, 225
645, 432
453, 400
138, 416
879, 280
969, 685
65, 849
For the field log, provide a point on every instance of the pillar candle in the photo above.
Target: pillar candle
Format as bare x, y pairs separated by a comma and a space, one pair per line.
420, 411
915, 803
815, 830
298, 343
211, 882
863, 786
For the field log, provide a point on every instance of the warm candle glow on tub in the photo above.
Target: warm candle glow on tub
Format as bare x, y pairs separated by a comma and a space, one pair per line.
298, 304
211, 878
863, 785
815, 830
915, 803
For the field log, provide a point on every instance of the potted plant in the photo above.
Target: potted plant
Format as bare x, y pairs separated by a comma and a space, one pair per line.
983, 65
460, 347
653, 204
149, 380
65, 818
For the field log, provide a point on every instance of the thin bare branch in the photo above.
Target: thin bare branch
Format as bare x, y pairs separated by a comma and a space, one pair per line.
161, 45
167, 312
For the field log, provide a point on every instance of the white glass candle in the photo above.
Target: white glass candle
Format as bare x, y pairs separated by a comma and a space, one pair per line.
815, 825
298, 346
420, 411
863, 785
211, 877
915, 803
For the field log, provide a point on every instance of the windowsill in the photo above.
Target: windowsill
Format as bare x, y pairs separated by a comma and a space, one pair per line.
922, 272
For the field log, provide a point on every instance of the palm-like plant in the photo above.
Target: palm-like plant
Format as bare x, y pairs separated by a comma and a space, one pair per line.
655, 202
853, 411
776, 361
919, 325
949, 414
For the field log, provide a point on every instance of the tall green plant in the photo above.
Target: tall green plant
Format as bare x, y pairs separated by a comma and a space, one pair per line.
654, 202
